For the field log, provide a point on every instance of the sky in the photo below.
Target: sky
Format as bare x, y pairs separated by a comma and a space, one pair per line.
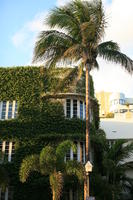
21, 21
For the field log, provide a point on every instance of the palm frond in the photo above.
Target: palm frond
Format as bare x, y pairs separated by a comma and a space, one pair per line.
29, 164
110, 52
50, 45
109, 45
71, 79
120, 151
63, 148
95, 64
47, 160
74, 52
92, 20
64, 18
99, 21
75, 168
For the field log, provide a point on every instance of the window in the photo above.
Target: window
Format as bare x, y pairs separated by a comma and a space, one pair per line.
13, 150
2, 195
75, 153
7, 149
3, 114
111, 143
121, 101
71, 194
8, 109
75, 194
7, 194
115, 101
68, 108
81, 109
16, 109
6, 152
74, 108
123, 110
81, 152
68, 155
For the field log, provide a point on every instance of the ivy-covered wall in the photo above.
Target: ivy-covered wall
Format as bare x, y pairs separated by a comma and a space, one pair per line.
39, 121
35, 115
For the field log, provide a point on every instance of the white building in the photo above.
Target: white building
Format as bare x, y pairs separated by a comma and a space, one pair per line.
120, 104
119, 129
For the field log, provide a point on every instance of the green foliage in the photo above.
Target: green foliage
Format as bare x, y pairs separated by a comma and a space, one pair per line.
35, 115
62, 149
22, 84
75, 168
84, 23
30, 163
4, 178
48, 160
40, 122
110, 115
51, 162
109, 173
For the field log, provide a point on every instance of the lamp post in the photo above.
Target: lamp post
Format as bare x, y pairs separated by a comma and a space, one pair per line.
88, 169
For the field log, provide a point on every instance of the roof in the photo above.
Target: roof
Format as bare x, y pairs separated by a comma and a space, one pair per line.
65, 95
117, 129
62, 95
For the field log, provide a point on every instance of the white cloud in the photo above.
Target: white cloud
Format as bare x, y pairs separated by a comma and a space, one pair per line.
37, 23
112, 78
120, 19
19, 38
27, 34
62, 2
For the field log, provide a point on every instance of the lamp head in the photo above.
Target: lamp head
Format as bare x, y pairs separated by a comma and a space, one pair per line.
88, 167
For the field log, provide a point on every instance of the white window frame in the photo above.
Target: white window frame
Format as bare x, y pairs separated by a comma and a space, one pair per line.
7, 109
10, 150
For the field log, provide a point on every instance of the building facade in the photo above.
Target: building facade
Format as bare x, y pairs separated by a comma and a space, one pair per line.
104, 102
115, 103
33, 114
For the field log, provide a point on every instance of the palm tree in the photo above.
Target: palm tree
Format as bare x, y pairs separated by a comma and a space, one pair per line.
112, 181
82, 25
51, 162
115, 166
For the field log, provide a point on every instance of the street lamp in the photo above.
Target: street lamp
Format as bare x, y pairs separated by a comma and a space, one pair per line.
88, 169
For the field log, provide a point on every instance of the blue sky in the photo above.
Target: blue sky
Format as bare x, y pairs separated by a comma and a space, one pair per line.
22, 20
14, 15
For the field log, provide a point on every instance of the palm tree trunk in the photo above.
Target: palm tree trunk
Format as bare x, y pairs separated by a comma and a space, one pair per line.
87, 112
86, 187
53, 195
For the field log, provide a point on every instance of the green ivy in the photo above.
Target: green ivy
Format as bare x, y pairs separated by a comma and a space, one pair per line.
39, 121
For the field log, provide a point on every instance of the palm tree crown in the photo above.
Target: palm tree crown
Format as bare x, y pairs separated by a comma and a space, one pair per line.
83, 24
50, 162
